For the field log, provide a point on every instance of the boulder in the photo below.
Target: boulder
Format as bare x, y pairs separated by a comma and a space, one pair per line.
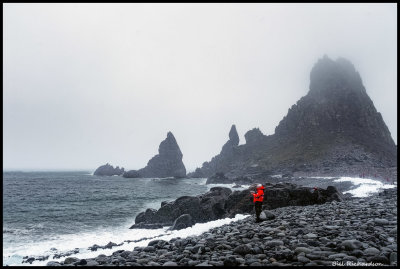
182, 222
81, 262
170, 263
243, 250
351, 244
267, 215
70, 260
239, 202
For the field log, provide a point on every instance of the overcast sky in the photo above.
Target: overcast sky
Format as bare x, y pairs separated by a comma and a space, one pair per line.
86, 84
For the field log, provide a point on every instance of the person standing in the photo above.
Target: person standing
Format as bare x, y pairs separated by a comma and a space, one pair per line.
258, 198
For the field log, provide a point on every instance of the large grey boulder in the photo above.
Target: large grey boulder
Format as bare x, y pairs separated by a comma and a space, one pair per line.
182, 222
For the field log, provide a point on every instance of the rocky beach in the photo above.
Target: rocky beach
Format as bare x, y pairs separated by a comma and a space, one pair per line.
355, 231
330, 173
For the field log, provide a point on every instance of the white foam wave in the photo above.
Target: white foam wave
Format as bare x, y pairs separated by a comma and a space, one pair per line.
323, 177
82, 241
200, 181
16, 231
231, 186
364, 186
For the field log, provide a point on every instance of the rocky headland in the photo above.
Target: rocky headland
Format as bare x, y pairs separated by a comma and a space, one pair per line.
167, 163
108, 170
334, 130
354, 231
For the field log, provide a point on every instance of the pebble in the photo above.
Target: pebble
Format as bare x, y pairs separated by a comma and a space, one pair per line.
302, 249
351, 244
310, 236
371, 251
274, 243
381, 221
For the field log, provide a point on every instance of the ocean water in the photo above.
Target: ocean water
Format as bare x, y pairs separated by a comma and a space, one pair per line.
47, 213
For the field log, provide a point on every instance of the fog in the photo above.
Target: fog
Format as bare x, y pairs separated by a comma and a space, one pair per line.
86, 84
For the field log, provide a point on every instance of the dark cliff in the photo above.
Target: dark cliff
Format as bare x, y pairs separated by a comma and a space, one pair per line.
334, 128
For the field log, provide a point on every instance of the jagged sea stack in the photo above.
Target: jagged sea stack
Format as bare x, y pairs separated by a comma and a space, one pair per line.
221, 162
167, 163
337, 122
335, 129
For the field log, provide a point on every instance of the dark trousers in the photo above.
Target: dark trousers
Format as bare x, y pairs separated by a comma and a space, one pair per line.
258, 208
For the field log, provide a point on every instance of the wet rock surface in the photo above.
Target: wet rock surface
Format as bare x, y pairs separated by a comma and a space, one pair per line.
333, 233
221, 202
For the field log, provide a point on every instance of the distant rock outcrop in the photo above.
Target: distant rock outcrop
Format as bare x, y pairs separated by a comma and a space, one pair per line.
167, 163
254, 136
198, 173
218, 178
108, 170
132, 174
334, 129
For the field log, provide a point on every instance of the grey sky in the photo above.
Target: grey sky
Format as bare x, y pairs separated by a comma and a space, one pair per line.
86, 84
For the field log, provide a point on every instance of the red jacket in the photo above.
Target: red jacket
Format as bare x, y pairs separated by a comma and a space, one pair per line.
259, 195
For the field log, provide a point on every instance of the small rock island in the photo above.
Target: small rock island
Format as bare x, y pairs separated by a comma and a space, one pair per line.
109, 170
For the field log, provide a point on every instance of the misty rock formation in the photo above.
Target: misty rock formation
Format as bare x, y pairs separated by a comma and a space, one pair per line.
337, 121
167, 163
254, 137
218, 178
221, 161
108, 170
335, 129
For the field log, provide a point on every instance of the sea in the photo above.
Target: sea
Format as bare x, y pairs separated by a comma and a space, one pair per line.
46, 214
52, 213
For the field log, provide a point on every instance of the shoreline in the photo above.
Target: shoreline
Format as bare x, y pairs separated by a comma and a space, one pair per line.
126, 246
357, 231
